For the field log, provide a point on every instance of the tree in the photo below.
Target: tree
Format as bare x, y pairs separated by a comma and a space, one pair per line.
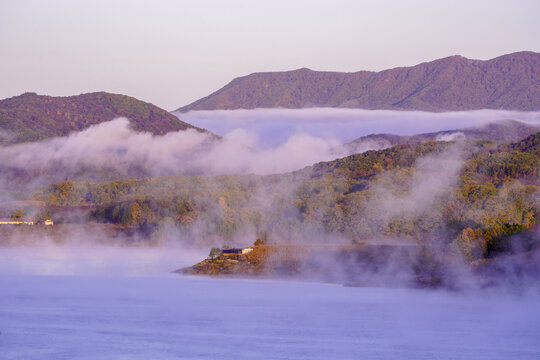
136, 213
18, 214
471, 246
214, 253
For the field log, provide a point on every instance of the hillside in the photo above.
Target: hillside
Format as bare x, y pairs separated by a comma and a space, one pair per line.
416, 204
501, 131
415, 191
478, 200
454, 83
31, 117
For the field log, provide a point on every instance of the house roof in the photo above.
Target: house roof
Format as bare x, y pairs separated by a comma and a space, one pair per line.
231, 251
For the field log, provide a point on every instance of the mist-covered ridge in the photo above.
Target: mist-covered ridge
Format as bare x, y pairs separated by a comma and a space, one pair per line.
430, 190
474, 200
114, 151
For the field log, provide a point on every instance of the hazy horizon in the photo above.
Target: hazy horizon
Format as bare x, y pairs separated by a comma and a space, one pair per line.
174, 52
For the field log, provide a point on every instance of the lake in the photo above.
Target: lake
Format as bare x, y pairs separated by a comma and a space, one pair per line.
170, 317
61, 314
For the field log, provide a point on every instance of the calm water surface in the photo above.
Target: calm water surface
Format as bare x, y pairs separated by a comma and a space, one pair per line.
172, 317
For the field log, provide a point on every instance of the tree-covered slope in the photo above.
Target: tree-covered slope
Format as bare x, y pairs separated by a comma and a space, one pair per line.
31, 117
509, 82
531, 144
480, 199
500, 131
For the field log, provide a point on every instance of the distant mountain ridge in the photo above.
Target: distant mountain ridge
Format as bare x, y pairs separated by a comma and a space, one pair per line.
499, 131
510, 82
32, 117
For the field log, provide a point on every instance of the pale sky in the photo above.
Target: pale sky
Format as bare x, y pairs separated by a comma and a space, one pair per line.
171, 53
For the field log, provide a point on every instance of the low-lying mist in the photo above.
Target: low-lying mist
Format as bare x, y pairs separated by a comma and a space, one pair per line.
125, 153
275, 126
88, 258
409, 196
254, 142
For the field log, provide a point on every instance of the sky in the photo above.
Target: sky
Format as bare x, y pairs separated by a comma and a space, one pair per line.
171, 53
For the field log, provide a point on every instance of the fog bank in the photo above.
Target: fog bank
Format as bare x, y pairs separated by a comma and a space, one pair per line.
275, 126
254, 142
91, 259
116, 149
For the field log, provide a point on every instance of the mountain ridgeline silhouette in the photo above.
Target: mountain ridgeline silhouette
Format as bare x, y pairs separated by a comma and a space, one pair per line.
454, 83
32, 117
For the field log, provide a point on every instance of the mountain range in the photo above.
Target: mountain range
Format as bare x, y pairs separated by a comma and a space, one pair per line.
509, 82
32, 117
454, 83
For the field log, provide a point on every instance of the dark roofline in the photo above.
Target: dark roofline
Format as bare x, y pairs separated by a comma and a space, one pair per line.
231, 251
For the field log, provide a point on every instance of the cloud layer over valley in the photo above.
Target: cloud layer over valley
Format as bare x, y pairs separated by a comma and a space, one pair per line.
275, 126
125, 153
256, 141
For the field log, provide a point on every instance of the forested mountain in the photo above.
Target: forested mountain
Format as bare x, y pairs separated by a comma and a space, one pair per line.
509, 82
31, 117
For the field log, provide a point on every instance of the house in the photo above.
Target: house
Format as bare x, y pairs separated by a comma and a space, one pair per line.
228, 252
247, 250
16, 222
46, 222
236, 251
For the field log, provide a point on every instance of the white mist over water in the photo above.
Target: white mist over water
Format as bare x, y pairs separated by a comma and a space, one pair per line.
84, 301
171, 317
120, 303
89, 259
